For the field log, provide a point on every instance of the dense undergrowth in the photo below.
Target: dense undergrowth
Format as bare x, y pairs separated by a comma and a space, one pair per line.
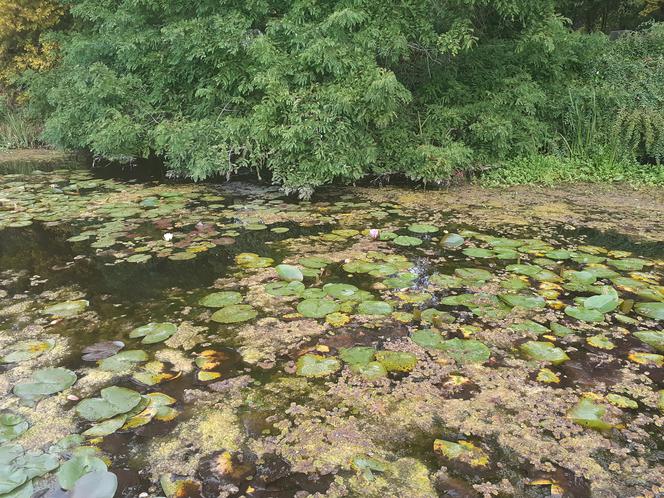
308, 94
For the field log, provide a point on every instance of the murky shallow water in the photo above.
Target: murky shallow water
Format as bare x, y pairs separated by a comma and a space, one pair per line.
446, 357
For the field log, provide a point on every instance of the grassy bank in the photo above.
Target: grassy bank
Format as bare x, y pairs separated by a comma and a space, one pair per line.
552, 170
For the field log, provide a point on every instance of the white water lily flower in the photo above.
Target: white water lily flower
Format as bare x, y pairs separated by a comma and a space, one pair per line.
168, 237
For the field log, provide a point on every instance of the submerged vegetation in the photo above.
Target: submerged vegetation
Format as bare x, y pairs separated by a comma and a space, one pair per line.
194, 341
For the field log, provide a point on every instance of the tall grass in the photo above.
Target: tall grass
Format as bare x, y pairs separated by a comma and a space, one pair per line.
17, 131
585, 137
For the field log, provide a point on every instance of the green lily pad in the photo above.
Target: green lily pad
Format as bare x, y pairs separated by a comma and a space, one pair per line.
427, 338
650, 310
374, 308
452, 241
407, 241
400, 281
621, 401
478, 252
432, 315
653, 338
446, 281
313, 365
315, 262
466, 350
343, 292
589, 414
473, 274
97, 484
250, 260
114, 401
367, 466
106, 427
600, 341
422, 228
357, 355
123, 361
522, 301
603, 303
234, 313
220, 299
543, 351
43, 383
289, 273
285, 288
12, 425
560, 330
373, 370
66, 309
78, 466
628, 264
154, 332
317, 308
396, 361
27, 350
584, 314
464, 451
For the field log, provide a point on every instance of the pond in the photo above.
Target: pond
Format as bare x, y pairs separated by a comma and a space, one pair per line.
182, 340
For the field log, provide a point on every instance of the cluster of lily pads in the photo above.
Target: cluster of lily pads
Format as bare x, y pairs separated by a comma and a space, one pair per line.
421, 297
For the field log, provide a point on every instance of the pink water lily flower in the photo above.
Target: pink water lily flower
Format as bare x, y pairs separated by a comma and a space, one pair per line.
374, 233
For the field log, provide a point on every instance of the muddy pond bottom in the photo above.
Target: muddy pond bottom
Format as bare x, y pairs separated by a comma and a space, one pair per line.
207, 341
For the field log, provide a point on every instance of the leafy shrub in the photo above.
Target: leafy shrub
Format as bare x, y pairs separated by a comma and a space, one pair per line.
311, 93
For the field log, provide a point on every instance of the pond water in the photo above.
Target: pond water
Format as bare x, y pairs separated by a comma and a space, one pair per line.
217, 341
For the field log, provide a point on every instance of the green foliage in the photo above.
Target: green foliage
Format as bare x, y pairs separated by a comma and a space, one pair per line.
17, 130
312, 93
551, 170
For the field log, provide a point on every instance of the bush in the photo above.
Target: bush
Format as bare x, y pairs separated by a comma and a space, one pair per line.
310, 93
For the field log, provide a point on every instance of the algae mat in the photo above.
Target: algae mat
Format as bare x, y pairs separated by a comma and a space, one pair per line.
204, 341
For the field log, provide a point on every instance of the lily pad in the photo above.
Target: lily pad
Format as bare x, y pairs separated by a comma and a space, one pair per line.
427, 338
220, 299
522, 301
589, 414
123, 361
584, 314
543, 351
600, 341
452, 241
285, 288
315, 262
473, 274
234, 314
97, 484
43, 383
650, 310
27, 350
374, 308
317, 308
466, 350
289, 273
66, 309
12, 425
478, 252
653, 338
313, 365
464, 451
407, 241
396, 361
154, 332
357, 355
78, 466
114, 401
